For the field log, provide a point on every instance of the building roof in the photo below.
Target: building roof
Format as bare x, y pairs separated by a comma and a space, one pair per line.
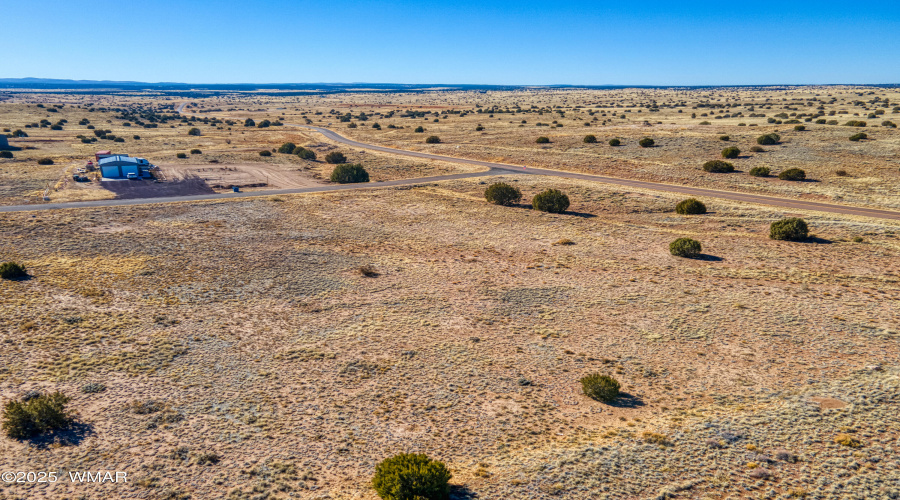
104, 152
117, 159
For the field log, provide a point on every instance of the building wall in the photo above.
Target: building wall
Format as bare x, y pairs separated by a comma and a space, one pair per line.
3, 142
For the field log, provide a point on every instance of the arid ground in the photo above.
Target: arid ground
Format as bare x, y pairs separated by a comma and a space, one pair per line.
280, 347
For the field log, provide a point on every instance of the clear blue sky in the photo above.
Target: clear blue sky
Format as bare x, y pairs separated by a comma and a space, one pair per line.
478, 42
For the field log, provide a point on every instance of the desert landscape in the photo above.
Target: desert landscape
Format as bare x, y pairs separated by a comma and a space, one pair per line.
275, 343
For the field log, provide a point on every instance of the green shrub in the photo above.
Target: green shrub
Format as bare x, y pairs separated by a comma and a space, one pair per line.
93, 388
799, 128
542, 140
180, 155
194, 131
600, 387
718, 166
724, 138
287, 148
410, 476
792, 229
264, 124
889, 124
690, 206
249, 122
501, 193
704, 122
551, 200
335, 157
757, 149
760, 171
479, 128
347, 173
792, 174
352, 125
45, 161
136, 137
685, 247
858, 137
590, 139
305, 154
646, 142
731, 152
265, 152
821, 121
433, 139
420, 129
35, 415
8, 154
768, 139
855, 123
196, 152
13, 271
615, 142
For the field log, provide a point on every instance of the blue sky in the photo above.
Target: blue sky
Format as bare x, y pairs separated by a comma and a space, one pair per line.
479, 42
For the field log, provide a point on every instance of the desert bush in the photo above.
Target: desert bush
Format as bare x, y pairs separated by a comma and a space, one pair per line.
194, 131
841, 173
858, 137
542, 140
718, 166
13, 271
432, 139
768, 139
45, 161
821, 121
335, 157
501, 193
208, 458
792, 174
646, 142
35, 415
889, 124
119, 139
93, 388
855, 123
249, 122
479, 128
590, 139
615, 142
847, 440
264, 124
136, 137
420, 129
690, 206
196, 152
600, 387
305, 154
791, 229
145, 407
685, 247
347, 173
265, 152
368, 271
757, 149
180, 155
551, 200
410, 476
731, 152
8, 154
799, 128
287, 148
760, 171
724, 138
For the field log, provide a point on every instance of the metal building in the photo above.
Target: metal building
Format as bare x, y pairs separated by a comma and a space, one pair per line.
4, 144
124, 167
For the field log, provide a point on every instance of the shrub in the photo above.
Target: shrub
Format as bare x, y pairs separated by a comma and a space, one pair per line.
8, 154
768, 139
249, 122
685, 247
858, 137
45, 161
889, 124
757, 149
335, 157
646, 142
724, 138
93, 388
615, 142
35, 415
352, 125
118, 139
590, 139
841, 173
542, 140
855, 123
13, 271
501, 193
479, 128
180, 155
760, 171
704, 122
432, 139
287, 148
347, 173
420, 129
792, 174
847, 440
791, 229
731, 152
136, 137
265, 152
690, 206
410, 476
264, 124
718, 166
194, 131
551, 200
600, 387
196, 152
305, 154
799, 128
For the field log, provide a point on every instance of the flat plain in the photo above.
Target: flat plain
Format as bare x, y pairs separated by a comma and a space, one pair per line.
245, 329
